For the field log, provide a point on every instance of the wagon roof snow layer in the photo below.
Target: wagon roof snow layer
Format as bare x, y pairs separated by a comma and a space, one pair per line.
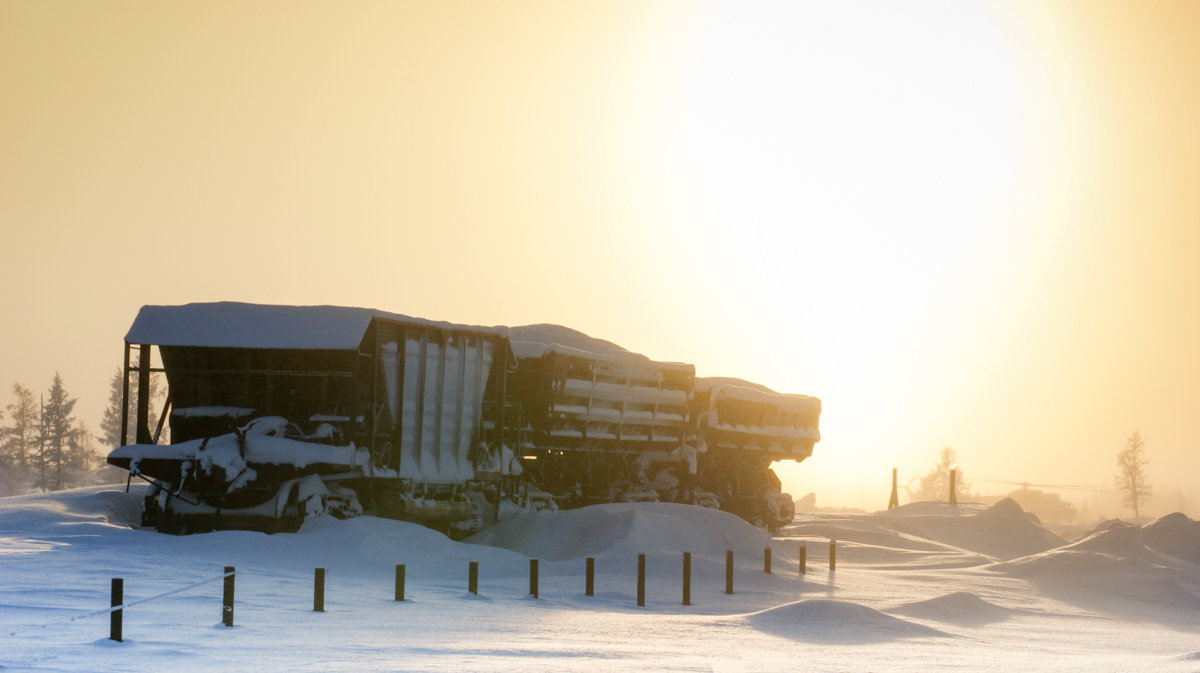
241, 325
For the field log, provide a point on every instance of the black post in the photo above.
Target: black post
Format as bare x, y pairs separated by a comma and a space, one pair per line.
473, 577
767, 560
533, 577
687, 578
114, 617
399, 581
318, 590
729, 571
143, 397
832, 554
227, 601
803, 559
641, 581
590, 587
125, 400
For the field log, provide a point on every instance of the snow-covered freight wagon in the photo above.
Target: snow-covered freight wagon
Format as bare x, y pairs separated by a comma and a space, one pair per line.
279, 413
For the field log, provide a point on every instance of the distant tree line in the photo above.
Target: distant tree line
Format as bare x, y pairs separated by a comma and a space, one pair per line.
44, 446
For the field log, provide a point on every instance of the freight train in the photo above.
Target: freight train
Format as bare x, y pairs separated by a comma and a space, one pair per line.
281, 413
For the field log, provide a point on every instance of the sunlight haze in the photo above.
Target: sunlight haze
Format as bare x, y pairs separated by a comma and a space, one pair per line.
972, 225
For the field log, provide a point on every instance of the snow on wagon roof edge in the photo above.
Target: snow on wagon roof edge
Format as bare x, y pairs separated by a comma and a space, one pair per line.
243, 325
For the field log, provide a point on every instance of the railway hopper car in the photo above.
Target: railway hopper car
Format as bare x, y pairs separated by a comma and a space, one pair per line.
280, 413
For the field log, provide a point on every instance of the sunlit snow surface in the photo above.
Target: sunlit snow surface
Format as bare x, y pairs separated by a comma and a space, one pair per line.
927, 587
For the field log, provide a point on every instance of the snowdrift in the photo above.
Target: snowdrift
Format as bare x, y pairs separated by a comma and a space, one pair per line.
959, 607
1172, 541
624, 529
99, 505
1120, 567
1099, 604
935, 534
835, 621
1003, 531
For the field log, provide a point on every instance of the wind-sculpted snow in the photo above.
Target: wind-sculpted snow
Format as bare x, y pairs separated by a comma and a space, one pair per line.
624, 528
1175, 535
1119, 566
1002, 531
960, 607
85, 505
912, 592
32, 524
835, 621
372, 545
935, 535
1171, 541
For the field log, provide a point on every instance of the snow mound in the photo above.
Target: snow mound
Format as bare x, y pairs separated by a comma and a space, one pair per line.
1003, 531
960, 607
94, 504
1175, 535
1071, 562
1122, 565
1107, 524
1172, 540
624, 528
372, 545
835, 621
865, 531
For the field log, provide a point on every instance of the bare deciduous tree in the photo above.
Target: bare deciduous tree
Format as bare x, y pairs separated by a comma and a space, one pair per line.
936, 484
1131, 475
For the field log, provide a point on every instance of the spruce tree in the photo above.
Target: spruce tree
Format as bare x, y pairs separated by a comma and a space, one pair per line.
58, 428
83, 462
110, 423
19, 442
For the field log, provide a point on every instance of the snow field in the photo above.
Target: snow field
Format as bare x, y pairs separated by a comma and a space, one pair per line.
923, 587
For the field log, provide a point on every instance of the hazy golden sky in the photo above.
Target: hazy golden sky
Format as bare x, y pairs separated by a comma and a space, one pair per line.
958, 224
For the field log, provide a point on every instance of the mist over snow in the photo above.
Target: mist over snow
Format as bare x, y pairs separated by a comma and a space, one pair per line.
922, 587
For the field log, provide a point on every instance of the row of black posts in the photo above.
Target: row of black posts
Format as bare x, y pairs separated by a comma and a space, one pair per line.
118, 588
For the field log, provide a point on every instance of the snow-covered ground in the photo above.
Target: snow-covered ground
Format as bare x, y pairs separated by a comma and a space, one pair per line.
925, 587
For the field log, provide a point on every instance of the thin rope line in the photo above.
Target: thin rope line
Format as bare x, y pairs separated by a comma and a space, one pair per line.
114, 608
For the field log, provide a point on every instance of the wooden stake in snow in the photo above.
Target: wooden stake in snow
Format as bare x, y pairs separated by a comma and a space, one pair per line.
227, 599
953, 490
687, 578
318, 590
473, 577
728, 571
399, 581
767, 560
533, 577
114, 617
641, 581
832, 554
590, 584
803, 559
